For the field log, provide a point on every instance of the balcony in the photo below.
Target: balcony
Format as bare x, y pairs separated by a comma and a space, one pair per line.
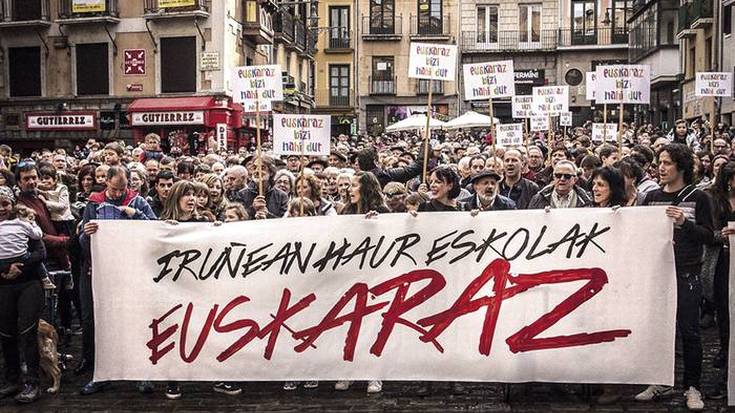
422, 87
299, 37
70, 13
430, 28
601, 36
509, 41
702, 14
167, 9
283, 27
24, 13
257, 25
685, 29
311, 38
340, 101
377, 28
338, 40
382, 85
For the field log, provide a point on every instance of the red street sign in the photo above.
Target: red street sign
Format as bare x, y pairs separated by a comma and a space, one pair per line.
134, 62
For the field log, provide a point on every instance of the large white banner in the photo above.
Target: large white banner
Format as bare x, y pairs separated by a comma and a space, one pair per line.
623, 84
432, 61
513, 296
731, 304
488, 80
713, 84
306, 135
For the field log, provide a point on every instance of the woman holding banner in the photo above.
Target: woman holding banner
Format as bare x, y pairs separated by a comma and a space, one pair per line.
366, 197
180, 206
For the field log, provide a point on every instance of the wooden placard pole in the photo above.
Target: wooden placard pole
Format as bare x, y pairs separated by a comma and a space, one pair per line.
549, 136
492, 126
527, 135
604, 122
426, 132
259, 146
620, 130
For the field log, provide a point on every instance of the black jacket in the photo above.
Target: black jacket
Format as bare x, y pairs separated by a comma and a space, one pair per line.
523, 190
501, 203
543, 199
276, 200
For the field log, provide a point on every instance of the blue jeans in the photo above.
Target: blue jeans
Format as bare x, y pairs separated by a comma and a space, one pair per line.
689, 296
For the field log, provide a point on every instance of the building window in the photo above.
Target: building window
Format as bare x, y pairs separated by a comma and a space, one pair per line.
339, 27
24, 71
621, 11
529, 23
375, 119
430, 16
93, 77
584, 22
339, 85
487, 24
382, 79
27, 10
727, 19
382, 17
178, 64
691, 68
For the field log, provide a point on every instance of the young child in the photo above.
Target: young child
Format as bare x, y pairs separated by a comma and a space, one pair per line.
151, 148
56, 196
295, 207
100, 176
235, 212
201, 192
15, 234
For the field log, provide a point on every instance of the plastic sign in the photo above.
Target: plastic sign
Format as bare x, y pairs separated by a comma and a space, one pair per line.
510, 134
623, 84
261, 83
307, 135
432, 61
550, 100
522, 106
713, 84
488, 80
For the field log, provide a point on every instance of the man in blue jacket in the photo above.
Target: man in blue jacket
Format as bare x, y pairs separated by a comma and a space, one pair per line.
116, 202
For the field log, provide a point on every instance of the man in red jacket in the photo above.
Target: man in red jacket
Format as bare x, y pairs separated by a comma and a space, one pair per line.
57, 246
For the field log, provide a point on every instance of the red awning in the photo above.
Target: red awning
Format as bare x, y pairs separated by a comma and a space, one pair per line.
173, 104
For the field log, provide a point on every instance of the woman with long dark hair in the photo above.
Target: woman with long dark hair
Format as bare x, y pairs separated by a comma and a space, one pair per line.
723, 200
365, 195
444, 188
608, 187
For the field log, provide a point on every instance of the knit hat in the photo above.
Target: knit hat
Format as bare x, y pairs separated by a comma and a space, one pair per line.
7, 193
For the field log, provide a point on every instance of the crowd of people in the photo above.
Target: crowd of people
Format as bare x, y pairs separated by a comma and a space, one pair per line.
50, 200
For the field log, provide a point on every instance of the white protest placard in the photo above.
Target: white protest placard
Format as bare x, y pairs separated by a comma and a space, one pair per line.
565, 119
432, 61
539, 123
522, 106
306, 135
623, 84
552, 298
250, 83
550, 100
509, 134
591, 85
713, 84
488, 80
599, 133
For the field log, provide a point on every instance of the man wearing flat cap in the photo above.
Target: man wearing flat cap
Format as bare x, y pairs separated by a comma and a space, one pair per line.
486, 197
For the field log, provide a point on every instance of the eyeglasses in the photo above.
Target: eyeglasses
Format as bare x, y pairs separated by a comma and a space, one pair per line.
563, 176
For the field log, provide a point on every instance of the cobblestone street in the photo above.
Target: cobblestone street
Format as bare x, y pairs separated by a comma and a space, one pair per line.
396, 397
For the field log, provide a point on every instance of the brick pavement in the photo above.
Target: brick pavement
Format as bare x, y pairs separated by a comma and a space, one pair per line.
396, 397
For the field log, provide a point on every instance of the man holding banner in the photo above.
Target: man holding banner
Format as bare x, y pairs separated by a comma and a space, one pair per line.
691, 211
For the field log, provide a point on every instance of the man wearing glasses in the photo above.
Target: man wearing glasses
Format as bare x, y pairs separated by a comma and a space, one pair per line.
563, 191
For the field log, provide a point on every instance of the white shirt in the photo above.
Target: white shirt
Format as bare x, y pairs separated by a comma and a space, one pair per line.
15, 234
